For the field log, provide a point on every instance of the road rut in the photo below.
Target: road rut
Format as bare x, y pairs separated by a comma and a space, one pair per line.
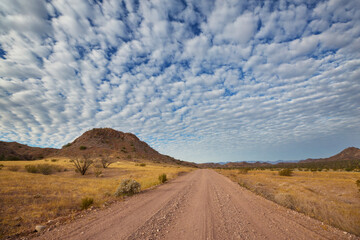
200, 205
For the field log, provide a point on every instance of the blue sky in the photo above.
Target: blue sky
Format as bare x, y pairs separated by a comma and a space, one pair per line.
198, 80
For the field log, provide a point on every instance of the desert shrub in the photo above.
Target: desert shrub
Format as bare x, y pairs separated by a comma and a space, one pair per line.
86, 202
54, 160
82, 164
66, 145
105, 160
14, 168
162, 178
243, 170
31, 169
97, 172
286, 172
358, 184
45, 169
1, 166
128, 187
142, 164
82, 147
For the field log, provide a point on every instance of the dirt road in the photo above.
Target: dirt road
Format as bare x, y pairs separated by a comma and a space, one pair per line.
200, 205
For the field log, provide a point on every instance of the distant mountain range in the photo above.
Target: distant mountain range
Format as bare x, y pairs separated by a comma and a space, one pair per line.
95, 142
351, 153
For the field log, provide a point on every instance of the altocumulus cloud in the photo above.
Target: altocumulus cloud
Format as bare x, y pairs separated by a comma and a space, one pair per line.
198, 80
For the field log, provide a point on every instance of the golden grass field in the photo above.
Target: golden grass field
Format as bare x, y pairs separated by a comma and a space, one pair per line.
331, 197
28, 199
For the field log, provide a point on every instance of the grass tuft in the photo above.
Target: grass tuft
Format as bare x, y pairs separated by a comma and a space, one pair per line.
162, 178
86, 203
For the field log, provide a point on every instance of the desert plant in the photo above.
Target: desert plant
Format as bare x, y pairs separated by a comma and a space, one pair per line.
82, 147
45, 169
243, 170
82, 164
14, 168
128, 187
66, 145
286, 172
31, 169
86, 202
54, 160
105, 160
142, 164
1, 166
358, 184
97, 172
162, 178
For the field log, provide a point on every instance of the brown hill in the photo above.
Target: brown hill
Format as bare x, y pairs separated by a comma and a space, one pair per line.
17, 151
95, 142
351, 153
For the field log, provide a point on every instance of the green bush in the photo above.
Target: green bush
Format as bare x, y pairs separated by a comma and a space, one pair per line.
86, 202
286, 172
128, 187
66, 145
83, 148
14, 168
162, 178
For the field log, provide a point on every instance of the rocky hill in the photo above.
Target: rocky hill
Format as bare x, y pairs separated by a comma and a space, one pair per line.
17, 151
95, 142
351, 153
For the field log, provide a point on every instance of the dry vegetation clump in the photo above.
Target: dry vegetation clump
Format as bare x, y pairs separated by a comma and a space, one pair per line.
243, 171
28, 199
162, 178
328, 196
286, 172
86, 202
128, 187
13, 168
45, 169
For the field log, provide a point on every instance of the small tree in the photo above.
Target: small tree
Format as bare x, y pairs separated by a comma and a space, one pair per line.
82, 164
105, 160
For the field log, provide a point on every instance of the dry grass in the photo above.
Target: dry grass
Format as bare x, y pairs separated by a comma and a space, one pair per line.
331, 197
28, 199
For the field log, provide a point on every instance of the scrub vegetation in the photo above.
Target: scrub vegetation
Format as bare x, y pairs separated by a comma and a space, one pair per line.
28, 199
331, 197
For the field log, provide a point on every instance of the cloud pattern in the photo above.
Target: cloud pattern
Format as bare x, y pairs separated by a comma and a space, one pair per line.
198, 80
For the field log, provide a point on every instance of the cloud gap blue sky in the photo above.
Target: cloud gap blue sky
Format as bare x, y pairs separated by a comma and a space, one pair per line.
198, 80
